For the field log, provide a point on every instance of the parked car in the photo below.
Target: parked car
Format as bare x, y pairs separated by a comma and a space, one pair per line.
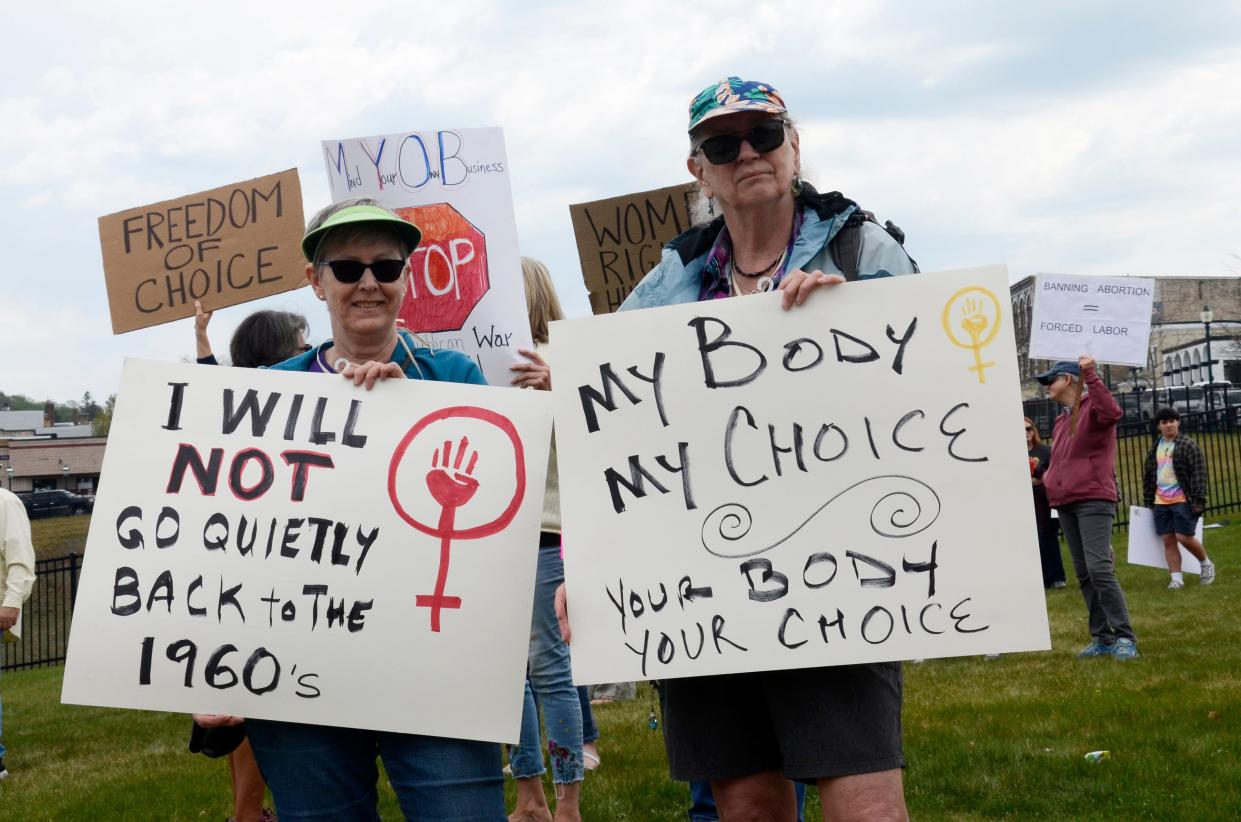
57, 503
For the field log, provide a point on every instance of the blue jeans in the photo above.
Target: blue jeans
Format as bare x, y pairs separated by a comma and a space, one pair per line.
327, 774
550, 676
590, 731
703, 809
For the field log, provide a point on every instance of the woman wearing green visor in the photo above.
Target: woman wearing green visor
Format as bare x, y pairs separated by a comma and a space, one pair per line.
358, 253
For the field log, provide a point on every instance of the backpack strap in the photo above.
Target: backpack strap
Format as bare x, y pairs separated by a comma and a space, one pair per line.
846, 246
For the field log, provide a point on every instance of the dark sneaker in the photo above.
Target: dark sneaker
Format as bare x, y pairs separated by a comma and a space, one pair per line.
3, 772
1208, 573
1095, 648
1125, 649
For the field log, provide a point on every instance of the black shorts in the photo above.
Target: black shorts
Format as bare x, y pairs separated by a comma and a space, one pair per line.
808, 724
1178, 518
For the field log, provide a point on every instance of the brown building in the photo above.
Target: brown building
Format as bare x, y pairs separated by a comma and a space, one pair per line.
1178, 346
42, 464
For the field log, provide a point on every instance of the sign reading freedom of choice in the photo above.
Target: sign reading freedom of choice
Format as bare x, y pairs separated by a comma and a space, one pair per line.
754, 489
223, 247
287, 546
620, 239
1106, 317
466, 290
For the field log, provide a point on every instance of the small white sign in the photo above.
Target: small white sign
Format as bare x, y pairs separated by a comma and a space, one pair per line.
1106, 317
1146, 547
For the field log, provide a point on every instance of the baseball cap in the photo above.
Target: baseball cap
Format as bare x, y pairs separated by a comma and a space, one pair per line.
732, 95
355, 215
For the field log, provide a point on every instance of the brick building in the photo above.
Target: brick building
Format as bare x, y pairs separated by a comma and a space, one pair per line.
1178, 344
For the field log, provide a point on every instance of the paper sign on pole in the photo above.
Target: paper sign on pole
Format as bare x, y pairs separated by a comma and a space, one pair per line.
287, 546
620, 239
757, 489
466, 291
225, 246
1106, 317
1146, 546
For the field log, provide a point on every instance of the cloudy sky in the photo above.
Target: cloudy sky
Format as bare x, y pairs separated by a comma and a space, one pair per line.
1090, 138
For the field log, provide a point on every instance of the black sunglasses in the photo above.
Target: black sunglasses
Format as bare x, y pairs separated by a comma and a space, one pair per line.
1028, 428
350, 271
724, 148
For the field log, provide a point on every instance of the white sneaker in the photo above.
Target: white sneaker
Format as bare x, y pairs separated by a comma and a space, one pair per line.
1208, 573
1176, 584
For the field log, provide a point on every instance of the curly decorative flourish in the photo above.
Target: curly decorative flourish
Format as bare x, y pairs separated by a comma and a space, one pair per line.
904, 507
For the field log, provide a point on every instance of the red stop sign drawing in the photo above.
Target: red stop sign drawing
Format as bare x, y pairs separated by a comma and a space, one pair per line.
448, 270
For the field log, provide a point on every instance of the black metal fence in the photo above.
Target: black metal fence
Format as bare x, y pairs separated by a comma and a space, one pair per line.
45, 616
1212, 418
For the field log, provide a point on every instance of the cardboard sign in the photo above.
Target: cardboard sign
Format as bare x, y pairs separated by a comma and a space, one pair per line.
1106, 317
757, 489
466, 290
1146, 546
287, 546
225, 246
620, 239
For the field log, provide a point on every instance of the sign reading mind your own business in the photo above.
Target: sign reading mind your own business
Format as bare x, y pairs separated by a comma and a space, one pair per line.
225, 246
1106, 317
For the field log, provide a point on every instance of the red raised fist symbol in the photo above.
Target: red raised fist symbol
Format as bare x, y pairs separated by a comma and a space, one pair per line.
452, 488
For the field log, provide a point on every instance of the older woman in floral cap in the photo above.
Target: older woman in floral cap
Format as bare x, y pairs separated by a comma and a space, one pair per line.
837, 727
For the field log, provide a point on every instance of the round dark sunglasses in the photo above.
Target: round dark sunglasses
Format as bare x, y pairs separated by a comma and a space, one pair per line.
351, 271
724, 148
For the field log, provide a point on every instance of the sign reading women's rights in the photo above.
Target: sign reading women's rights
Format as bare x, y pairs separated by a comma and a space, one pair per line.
754, 489
1106, 317
287, 546
466, 291
225, 246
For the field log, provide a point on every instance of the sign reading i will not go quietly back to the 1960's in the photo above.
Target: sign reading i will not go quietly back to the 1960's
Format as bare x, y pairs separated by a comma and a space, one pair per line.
1106, 317
287, 546
758, 489
225, 246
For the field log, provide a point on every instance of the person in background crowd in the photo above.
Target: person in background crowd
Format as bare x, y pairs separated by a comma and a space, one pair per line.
1174, 486
1081, 486
1048, 528
548, 672
357, 253
837, 727
17, 564
262, 338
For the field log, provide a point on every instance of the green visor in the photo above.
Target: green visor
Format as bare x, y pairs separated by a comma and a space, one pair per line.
354, 215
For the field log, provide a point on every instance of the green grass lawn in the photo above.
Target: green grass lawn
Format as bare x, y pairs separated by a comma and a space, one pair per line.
58, 536
983, 739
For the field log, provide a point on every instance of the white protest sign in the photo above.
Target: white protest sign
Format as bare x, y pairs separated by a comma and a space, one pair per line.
287, 546
745, 488
466, 291
1106, 317
1146, 546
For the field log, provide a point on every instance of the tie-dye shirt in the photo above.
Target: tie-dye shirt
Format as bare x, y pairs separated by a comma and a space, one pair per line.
1168, 490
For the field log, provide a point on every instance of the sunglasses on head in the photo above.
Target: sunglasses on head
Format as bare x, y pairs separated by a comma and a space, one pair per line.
351, 271
724, 148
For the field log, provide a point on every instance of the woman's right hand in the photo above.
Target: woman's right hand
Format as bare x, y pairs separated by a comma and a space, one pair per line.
371, 372
562, 613
202, 345
217, 720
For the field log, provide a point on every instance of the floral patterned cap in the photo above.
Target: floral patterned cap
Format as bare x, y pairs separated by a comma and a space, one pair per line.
732, 95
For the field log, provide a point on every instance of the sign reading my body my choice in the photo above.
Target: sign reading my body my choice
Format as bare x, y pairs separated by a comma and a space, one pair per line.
225, 246
466, 291
1106, 317
754, 489
287, 546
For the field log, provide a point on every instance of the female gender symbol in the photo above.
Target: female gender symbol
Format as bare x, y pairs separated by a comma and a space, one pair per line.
452, 488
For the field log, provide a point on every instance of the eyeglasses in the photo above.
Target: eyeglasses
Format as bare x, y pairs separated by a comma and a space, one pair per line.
1028, 429
350, 271
724, 148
